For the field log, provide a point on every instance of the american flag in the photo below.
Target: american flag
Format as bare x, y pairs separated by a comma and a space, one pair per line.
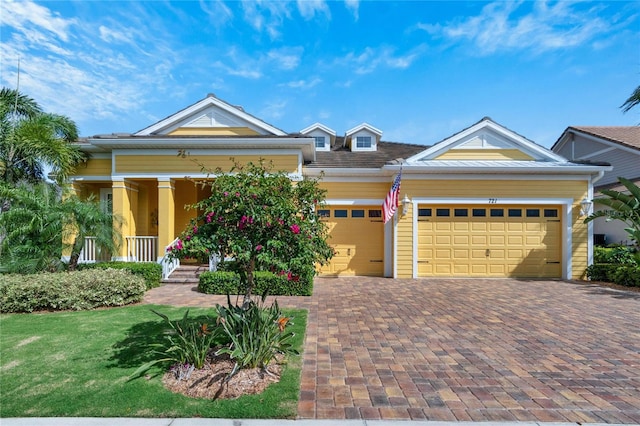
392, 200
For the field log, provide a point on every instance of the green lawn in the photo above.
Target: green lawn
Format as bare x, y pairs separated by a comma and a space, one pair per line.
77, 364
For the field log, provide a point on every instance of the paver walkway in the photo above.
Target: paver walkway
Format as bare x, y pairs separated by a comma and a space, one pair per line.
470, 350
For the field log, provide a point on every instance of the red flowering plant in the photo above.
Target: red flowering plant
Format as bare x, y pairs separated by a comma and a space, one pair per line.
263, 220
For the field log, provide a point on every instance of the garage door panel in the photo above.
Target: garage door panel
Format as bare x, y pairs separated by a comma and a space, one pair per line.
507, 241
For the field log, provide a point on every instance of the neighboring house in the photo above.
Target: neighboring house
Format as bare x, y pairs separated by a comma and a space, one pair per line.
618, 146
485, 202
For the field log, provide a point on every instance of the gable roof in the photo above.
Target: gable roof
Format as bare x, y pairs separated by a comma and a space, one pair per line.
197, 110
486, 133
318, 126
363, 126
628, 136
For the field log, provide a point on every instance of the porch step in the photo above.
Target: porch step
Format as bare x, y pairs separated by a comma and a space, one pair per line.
186, 274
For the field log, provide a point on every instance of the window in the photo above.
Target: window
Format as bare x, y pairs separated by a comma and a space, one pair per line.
550, 213
375, 213
497, 213
442, 212
357, 213
319, 141
324, 213
424, 212
515, 212
533, 212
339, 213
363, 142
460, 212
479, 212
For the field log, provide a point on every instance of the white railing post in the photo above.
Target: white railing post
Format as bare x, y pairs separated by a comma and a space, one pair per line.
88, 252
142, 248
169, 263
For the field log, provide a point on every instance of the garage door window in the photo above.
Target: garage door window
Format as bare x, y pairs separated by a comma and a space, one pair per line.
340, 213
357, 213
497, 213
550, 213
442, 212
460, 212
375, 214
515, 212
533, 212
479, 212
324, 213
424, 212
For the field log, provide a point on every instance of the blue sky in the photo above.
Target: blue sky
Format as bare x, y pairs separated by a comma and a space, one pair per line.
418, 70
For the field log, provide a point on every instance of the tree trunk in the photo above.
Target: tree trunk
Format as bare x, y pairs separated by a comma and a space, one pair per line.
246, 303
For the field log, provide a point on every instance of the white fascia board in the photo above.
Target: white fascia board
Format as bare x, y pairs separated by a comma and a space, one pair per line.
318, 126
525, 143
331, 172
562, 169
363, 126
306, 145
354, 202
204, 103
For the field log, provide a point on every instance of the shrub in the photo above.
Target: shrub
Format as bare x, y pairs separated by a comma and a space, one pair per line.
69, 290
151, 272
619, 255
627, 276
186, 346
257, 333
226, 282
601, 272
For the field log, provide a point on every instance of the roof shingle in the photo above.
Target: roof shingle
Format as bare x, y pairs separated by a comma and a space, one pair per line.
623, 135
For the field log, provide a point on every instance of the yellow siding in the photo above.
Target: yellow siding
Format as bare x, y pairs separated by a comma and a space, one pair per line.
213, 131
484, 154
405, 244
155, 164
94, 167
356, 190
186, 192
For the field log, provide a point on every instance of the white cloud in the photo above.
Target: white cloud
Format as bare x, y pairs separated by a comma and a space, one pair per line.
504, 26
371, 59
27, 17
286, 58
304, 84
219, 13
353, 6
273, 110
266, 16
309, 8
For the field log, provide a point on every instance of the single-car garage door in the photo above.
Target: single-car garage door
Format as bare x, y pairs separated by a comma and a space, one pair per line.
357, 235
489, 241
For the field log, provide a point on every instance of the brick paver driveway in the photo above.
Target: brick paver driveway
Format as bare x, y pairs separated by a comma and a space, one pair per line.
481, 350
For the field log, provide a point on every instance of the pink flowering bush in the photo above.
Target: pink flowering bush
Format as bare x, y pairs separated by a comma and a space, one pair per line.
262, 220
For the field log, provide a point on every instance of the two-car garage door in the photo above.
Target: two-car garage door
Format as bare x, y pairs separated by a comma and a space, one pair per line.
489, 241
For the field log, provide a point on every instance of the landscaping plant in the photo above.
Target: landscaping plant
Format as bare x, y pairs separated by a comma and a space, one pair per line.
261, 219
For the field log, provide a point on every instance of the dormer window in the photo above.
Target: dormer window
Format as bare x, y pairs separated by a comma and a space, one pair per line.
363, 142
323, 136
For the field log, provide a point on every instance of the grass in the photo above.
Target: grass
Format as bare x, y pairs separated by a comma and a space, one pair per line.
77, 364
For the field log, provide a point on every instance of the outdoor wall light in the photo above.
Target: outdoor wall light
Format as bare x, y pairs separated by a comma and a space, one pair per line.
405, 205
585, 206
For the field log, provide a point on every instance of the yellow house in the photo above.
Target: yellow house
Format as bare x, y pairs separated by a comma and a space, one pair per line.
485, 202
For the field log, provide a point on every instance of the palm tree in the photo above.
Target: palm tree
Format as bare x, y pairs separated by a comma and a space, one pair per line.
90, 218
31, 138
623, 206
42, 223
632, 101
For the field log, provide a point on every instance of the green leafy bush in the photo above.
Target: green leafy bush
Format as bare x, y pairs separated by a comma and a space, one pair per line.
601, 272
227, 282
151, 272
627, 276
187, 343
69, 290
257, 333
619, 255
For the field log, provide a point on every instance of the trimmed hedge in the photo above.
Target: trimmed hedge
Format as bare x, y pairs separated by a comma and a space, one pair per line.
151, 272
627, 275
226, 282
601, 272
77, 290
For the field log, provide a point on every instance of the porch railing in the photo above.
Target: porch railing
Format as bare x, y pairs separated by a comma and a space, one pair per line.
88, 252
142, 248
169, 263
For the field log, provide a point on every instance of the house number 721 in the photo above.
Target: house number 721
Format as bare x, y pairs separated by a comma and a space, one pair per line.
493, 200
